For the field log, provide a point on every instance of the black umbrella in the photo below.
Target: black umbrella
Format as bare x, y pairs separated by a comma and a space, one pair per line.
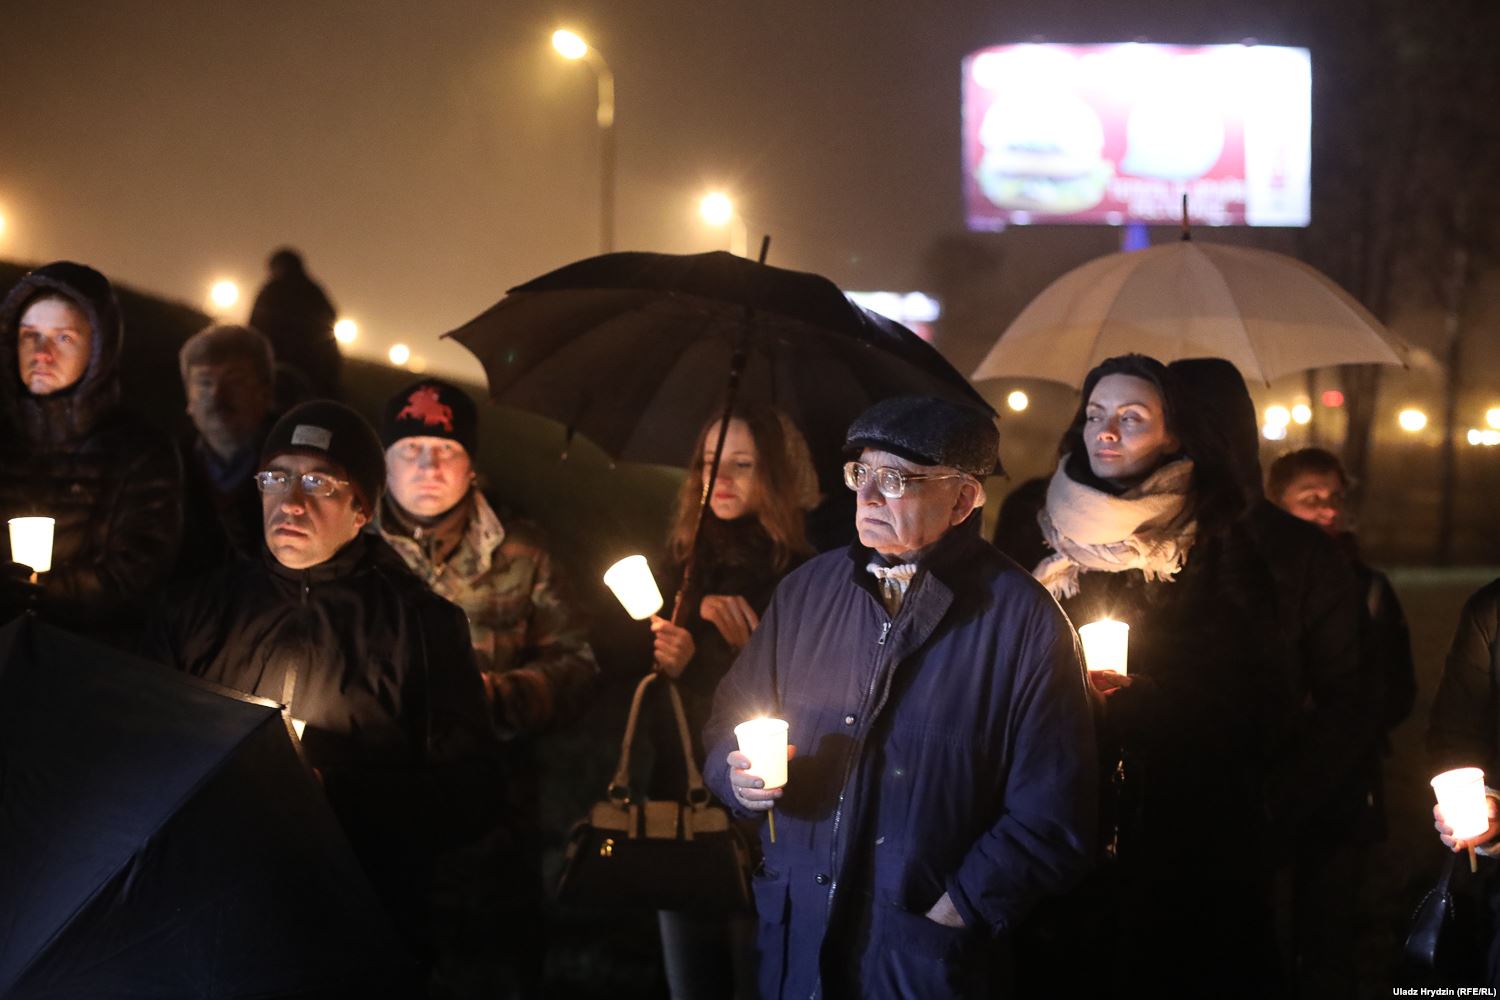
159, 837
633, 350
637, 351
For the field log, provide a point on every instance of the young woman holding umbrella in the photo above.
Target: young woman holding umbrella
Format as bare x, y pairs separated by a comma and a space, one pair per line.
753, 534
1141, 533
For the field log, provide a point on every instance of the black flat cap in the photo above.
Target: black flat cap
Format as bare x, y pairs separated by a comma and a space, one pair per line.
930, 431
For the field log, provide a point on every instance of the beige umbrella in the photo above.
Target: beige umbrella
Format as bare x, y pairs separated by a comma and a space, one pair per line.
1267, 313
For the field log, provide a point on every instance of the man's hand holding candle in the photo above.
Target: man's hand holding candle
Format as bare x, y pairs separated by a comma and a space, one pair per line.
750, 790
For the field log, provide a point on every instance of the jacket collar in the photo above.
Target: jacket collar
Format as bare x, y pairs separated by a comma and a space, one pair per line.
345, 562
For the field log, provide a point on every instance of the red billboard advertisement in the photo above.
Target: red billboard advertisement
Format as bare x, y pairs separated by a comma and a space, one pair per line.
1112, 134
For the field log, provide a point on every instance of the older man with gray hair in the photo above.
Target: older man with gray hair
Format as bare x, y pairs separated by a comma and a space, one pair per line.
947, 777
228, 374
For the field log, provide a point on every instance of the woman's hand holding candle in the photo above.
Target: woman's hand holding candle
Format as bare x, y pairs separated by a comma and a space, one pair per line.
1458, 844
750, 790
674, 647
1107, 682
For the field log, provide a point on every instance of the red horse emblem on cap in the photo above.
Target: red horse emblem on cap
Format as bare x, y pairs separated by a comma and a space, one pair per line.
424, 405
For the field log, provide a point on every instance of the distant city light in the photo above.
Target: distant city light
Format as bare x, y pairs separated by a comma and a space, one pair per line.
1333, 399
1411, 419
1301, 413
1492, 417
345, 331
903, 307
1489, 437
569, 45
224, 294
1278, 416
399, 354
1273, 432
1018, 401
716, 209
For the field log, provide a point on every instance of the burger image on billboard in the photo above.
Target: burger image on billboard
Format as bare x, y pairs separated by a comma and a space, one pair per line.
1043, 156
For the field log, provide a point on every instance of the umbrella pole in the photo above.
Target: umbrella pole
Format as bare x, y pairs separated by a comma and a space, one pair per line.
731, 391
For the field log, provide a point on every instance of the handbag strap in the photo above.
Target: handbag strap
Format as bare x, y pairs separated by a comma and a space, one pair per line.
619, 785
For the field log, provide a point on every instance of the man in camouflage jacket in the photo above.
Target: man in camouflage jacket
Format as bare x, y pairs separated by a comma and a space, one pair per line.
534, 658
533, 652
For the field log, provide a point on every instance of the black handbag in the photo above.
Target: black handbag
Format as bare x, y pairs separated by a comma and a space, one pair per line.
1446, 942
686, 855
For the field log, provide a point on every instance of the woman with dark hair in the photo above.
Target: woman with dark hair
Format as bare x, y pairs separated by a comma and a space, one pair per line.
752, 535
1145, 533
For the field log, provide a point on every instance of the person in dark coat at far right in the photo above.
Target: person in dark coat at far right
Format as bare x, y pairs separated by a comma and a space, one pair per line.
72, 449
1330, 761
944, 775
296, 314
374, 668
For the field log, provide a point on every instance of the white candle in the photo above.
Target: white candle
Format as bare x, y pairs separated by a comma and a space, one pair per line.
764, 742
633, 584
1460, 794
1105, 645
31, 542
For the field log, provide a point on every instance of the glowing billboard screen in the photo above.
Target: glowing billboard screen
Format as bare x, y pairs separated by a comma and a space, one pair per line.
1112, 134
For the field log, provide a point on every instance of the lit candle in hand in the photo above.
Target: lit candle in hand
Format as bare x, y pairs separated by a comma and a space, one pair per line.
31, 542
1105, 645
633, 584
764, 742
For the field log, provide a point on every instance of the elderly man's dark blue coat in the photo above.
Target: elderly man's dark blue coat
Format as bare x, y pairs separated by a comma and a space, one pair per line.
950, 748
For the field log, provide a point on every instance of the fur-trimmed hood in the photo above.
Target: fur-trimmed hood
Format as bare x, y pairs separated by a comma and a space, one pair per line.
57, 420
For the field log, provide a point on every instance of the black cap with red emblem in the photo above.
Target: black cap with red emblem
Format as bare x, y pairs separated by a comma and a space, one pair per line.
431, 408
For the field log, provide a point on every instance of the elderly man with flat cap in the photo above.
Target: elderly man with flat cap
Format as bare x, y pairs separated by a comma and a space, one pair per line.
378, 669
943, 777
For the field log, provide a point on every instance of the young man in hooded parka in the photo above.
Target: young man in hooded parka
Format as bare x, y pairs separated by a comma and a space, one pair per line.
71, 450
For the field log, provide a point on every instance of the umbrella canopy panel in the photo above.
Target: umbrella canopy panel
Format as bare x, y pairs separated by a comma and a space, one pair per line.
165, 839
1267, 313
641, 369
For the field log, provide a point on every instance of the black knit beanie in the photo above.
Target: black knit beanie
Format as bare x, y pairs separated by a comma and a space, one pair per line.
431, 408
333, 431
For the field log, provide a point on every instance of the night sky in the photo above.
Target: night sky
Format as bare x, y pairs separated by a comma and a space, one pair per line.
427, 156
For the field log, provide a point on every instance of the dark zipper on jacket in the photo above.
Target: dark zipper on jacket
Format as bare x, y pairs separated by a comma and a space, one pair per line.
854, 755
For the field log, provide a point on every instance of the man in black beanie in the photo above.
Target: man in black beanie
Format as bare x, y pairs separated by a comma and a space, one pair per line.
533, 655
944, 775
372, 666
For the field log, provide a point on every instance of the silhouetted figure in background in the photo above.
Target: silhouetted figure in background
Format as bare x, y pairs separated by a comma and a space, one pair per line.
228, 376
71, 450
296, 314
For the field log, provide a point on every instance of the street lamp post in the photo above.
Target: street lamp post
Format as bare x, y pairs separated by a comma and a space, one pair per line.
717, 209
572, 47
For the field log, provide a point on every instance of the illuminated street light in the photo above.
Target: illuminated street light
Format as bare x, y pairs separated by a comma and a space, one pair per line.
1492, 417
569, 45
224, 294
1273, 432
2, 223
1017, 401
573, 48
345, 331
1278, 416
717, 209
399, 354
1301, 413
1411, 420
1332, 398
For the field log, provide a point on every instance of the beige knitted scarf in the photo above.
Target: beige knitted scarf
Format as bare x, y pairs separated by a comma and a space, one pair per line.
1149, 527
